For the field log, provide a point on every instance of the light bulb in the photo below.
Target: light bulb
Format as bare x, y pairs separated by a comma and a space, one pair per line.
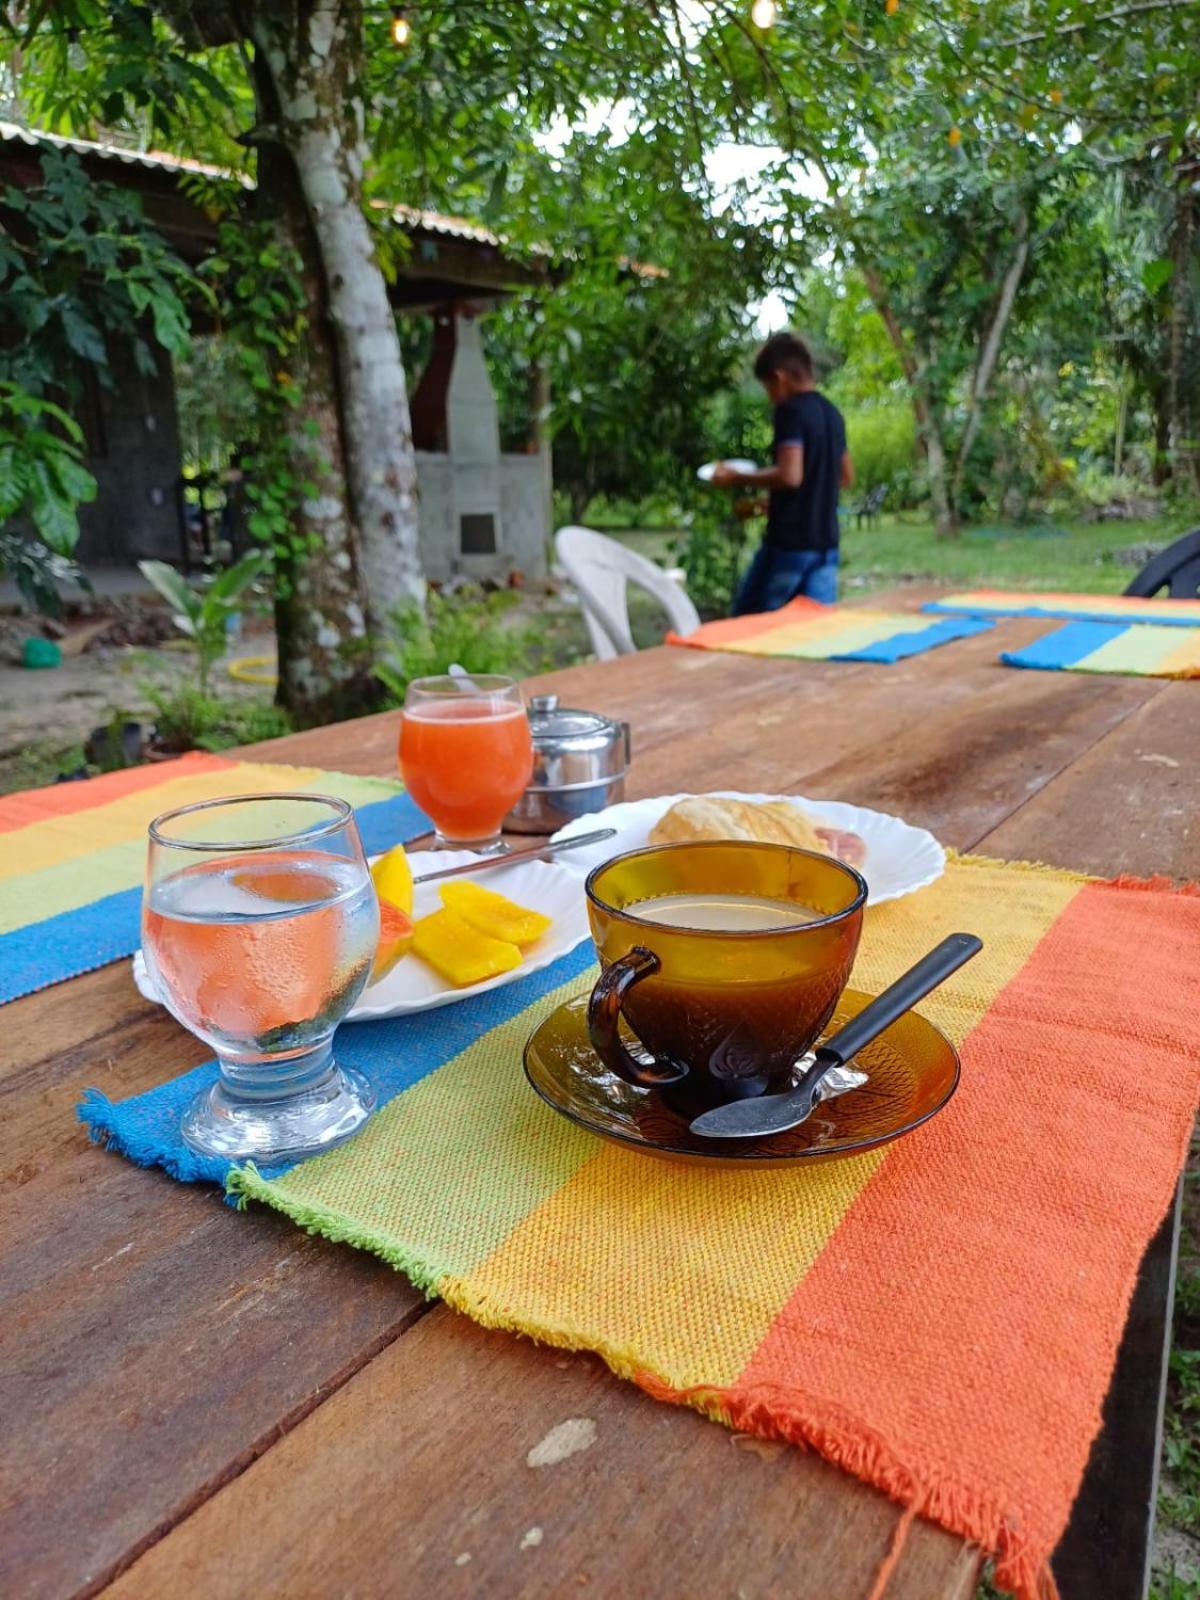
764, 14
76, 55
401, 29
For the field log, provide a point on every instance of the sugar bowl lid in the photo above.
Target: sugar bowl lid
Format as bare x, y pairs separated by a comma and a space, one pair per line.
573, 746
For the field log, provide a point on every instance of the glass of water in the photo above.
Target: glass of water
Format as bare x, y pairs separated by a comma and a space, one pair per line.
259, 927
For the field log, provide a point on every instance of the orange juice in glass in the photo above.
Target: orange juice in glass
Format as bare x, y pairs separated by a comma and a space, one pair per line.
466, 755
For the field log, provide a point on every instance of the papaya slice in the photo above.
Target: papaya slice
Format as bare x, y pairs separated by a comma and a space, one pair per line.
493, 915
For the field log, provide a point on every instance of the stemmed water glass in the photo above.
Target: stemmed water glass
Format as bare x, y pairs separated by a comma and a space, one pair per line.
259, 927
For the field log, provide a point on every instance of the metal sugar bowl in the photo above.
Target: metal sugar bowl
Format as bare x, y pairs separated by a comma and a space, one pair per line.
579, 763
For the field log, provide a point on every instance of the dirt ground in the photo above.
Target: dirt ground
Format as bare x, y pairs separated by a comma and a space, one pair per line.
47, 714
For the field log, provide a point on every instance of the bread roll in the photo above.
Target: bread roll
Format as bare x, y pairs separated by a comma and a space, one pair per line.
708, 816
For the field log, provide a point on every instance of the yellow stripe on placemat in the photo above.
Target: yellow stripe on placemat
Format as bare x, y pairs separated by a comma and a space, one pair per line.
819, 638
629, 1243
1145, 649
1183, 661
57, 841
62, 863
583, 1279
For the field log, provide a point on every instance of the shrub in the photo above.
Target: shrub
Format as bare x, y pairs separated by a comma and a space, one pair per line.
464, 626
189, 720
712, 551
882, 443
203, 615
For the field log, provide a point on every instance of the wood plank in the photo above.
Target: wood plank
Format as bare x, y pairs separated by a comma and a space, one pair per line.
1108, 1543
413, 1479
151, 1341
961, 767
1127, 805
952, 740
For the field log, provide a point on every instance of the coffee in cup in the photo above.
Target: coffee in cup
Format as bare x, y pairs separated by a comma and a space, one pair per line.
725, 960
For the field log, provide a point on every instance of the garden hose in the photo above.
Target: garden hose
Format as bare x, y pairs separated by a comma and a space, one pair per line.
247, 669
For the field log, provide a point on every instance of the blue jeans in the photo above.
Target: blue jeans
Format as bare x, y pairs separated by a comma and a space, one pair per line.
777, 576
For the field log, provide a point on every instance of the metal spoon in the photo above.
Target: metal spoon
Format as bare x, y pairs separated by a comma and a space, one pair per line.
773, 1113
536, 852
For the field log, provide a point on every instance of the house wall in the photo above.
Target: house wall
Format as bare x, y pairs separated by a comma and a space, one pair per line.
134, 455
446, 492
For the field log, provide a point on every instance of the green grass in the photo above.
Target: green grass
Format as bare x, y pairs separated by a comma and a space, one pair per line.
1095, 557
1092, 557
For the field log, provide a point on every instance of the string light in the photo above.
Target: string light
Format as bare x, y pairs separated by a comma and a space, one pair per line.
76, 55
764, 14
401, 29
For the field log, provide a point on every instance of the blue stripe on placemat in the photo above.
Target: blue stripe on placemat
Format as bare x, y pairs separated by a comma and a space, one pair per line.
1063, 647
1074, 614
902, 645
91, 936
394, 1053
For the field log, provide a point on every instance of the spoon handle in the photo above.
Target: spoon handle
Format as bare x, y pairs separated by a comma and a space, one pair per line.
953, 952
535, 852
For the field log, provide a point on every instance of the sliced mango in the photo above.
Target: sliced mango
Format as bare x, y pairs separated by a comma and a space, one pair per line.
395, 939
460, 953
393, 879
492, 914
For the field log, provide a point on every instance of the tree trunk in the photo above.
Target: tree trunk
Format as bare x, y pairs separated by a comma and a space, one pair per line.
1184, 359
1161, 470
320, 610
1121, 422
929, 430
312, 51
945, 520
989, 353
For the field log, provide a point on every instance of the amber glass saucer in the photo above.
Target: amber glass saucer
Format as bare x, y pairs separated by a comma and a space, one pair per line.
912, 1071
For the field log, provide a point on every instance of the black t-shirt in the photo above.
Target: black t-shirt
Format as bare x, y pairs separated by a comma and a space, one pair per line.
806, 518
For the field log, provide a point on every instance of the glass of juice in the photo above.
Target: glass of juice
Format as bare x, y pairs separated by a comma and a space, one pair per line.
259, 928
466, 755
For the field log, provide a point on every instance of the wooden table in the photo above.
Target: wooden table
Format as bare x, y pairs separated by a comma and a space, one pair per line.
196, 1402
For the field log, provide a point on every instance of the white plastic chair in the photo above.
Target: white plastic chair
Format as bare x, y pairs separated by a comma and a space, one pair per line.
600, 568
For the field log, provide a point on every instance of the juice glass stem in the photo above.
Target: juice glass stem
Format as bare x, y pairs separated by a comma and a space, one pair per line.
493, 846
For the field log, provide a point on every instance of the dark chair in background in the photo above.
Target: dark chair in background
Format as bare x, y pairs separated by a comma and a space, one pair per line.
869, 507
1175, 569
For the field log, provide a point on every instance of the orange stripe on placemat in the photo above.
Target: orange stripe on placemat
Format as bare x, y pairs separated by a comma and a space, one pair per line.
732, 630
64, 799
973, 1298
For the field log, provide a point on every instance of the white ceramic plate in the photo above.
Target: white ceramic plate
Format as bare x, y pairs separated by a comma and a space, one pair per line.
900, 858
410, 986
705, 473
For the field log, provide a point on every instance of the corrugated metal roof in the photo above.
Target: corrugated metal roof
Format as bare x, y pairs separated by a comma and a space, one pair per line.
411, 218
155, 160
163, 161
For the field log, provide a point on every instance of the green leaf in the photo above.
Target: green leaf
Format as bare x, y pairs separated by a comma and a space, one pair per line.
174, 588
1156, 274
228, 585
82, 334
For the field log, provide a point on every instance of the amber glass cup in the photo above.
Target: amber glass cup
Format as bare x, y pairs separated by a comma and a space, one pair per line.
718, 1015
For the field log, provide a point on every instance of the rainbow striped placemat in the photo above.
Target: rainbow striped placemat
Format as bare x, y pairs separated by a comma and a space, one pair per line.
939, 1317
812, 632
1135, 648
1085, 607
72, 856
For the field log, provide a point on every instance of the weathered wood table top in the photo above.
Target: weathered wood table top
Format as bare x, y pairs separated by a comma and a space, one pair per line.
196, 1402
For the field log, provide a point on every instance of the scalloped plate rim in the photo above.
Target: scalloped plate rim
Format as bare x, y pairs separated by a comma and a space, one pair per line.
862, 820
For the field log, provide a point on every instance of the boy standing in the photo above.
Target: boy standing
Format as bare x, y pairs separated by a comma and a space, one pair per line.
799, 552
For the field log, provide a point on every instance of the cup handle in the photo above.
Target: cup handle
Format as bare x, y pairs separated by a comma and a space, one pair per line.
604, 1014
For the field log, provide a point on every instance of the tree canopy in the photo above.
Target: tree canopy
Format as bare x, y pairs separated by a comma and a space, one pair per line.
987, 215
